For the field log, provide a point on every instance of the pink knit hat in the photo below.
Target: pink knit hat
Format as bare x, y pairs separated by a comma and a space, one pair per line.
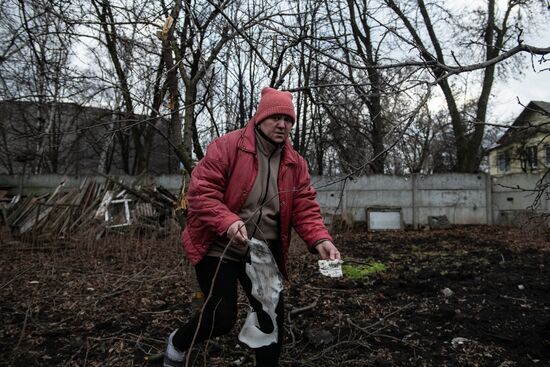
274, 102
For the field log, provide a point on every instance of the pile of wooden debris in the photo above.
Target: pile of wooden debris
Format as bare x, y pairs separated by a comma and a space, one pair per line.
94, 208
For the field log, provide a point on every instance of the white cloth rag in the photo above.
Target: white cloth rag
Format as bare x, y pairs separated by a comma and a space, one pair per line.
267, 284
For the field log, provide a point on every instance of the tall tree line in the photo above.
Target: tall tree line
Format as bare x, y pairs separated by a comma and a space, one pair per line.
365, 75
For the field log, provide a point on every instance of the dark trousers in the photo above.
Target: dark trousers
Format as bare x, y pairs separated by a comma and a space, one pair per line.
220, 313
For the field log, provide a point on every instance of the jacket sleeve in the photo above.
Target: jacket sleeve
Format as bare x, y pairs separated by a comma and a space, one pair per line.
207, 190
306, 211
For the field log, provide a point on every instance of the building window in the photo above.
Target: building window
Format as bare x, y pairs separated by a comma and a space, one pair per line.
531, 159
503, 161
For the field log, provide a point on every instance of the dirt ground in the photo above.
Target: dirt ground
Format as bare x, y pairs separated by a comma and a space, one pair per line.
468, 296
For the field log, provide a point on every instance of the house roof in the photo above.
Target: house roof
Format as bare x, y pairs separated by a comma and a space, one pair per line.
514, 133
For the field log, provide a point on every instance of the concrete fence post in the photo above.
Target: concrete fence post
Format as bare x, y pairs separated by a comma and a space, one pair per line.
344, 197
489, 198
413, 194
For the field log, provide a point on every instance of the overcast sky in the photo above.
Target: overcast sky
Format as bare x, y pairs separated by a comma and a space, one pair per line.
531, 86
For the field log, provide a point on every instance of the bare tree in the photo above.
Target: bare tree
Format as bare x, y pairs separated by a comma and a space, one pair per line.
188, 71
35, 67
496, 34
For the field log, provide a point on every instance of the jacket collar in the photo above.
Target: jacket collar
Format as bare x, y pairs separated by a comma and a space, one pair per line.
264, 145
247, 143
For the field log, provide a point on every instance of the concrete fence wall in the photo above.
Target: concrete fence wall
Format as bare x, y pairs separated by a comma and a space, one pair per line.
40, 184
463, 198
513, 198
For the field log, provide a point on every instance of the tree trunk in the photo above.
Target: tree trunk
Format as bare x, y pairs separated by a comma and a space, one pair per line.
365, 49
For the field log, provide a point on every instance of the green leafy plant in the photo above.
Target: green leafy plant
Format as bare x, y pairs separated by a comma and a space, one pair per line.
362, 271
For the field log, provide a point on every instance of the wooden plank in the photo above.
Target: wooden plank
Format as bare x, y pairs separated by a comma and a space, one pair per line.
22, 210
39, 214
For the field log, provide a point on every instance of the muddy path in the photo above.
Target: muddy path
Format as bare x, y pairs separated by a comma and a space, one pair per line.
469, 296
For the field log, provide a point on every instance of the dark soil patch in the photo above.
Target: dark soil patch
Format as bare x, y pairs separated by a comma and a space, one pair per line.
112, 302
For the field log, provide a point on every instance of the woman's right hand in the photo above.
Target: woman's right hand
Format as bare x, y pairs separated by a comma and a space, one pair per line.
237, 233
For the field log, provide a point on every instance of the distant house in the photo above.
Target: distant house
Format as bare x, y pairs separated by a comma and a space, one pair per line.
525, 146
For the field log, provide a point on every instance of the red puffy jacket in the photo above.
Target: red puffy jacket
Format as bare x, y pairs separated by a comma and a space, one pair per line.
221, 182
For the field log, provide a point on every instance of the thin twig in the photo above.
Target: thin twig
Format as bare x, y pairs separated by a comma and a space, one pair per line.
23, 328
16, 276
299, 310
366, 329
